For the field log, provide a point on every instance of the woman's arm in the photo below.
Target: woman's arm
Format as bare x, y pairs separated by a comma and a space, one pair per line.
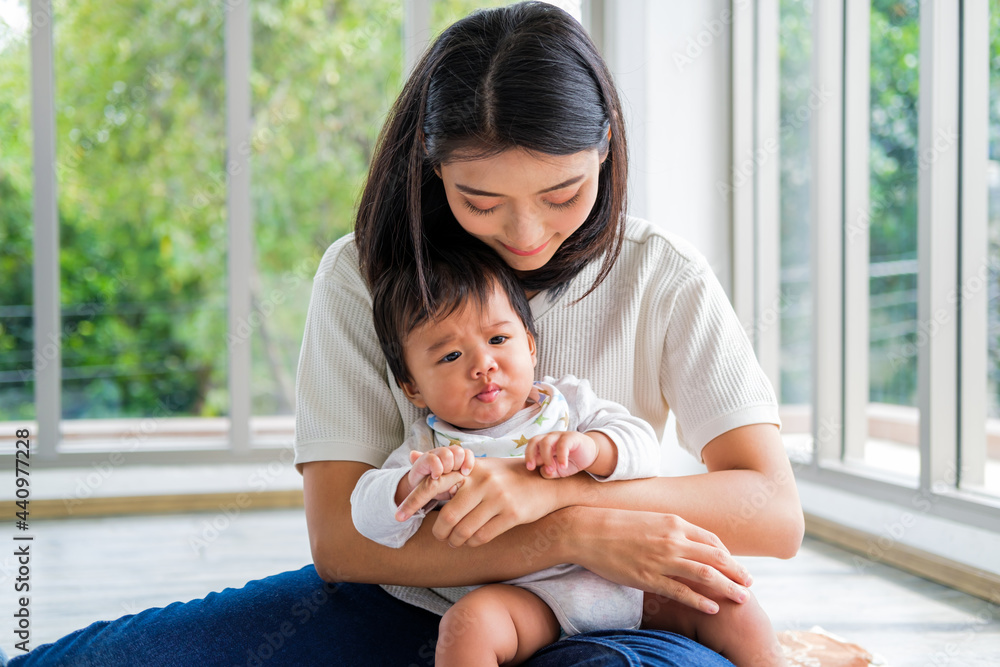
748, 498
648, 551
340, 553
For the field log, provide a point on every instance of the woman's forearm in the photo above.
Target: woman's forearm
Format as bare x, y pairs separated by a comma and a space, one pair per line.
752, 514
748, 498
340, 553
426, 561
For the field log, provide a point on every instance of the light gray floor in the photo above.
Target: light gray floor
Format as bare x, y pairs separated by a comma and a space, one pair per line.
88, 569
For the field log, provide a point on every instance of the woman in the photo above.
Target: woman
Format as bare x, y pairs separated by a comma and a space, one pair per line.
509, 129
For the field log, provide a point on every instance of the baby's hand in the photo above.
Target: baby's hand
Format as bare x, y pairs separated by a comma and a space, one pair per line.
560, 453
437, 462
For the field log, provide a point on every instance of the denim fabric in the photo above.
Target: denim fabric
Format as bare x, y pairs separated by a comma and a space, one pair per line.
295, 618
635, 648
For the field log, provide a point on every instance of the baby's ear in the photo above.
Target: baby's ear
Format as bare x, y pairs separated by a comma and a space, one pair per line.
413, 394
531, 348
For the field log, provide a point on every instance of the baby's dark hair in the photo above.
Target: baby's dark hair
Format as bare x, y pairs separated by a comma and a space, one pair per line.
457, 275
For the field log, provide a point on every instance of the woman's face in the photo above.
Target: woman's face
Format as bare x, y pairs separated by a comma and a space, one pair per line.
523, 205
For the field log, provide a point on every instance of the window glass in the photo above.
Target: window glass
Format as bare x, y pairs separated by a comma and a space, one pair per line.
795, 303
992, 472
16, 338
893, 415
140, 148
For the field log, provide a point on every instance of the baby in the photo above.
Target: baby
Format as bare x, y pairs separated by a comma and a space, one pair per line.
470, 360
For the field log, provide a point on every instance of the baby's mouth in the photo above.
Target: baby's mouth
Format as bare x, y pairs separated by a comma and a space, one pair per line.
489, 393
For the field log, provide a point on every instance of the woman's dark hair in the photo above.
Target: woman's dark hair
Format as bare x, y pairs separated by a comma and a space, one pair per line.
457, 276
523, 76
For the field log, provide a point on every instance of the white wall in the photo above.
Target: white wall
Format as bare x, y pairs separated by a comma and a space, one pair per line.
671, 61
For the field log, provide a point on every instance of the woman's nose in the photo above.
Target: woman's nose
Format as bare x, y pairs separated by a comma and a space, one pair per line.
524, 231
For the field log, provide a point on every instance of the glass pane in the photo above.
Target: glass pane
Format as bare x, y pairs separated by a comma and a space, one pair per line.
795, 49
992, 472
317, 113
140, 122
16, 339
893, 416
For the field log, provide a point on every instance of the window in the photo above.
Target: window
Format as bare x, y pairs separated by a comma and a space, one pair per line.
888, 299
195, 162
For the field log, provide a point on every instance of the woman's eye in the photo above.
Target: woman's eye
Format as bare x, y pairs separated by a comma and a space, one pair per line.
451, 357
479, 211
566, 204
498, 340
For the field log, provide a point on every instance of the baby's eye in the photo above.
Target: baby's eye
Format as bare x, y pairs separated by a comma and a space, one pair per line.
498, 340
452, 356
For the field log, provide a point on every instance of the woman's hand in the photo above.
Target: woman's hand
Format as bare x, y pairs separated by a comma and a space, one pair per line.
648, 551
498, 495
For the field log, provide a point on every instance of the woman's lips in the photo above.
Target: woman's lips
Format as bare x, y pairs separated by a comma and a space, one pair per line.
526, 253
489, 393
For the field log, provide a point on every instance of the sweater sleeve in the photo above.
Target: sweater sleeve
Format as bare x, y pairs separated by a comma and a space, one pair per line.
345, 408
638, 448
373, 502
709, 374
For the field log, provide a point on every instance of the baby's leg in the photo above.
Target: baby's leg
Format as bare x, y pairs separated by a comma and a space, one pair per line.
742, 633
495, 625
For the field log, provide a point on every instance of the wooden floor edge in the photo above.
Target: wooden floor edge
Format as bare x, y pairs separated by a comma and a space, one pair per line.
229, 502
871, 549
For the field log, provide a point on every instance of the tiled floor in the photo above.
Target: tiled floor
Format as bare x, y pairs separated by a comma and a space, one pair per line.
89, 569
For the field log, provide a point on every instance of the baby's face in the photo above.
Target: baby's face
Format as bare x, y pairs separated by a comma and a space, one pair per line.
473, 368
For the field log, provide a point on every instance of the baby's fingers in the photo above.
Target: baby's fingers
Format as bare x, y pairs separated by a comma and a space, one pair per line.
434, 466
531, 458
547, 448
468, 461
560, 453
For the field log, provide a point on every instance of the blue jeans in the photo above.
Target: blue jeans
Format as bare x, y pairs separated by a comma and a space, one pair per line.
295, 618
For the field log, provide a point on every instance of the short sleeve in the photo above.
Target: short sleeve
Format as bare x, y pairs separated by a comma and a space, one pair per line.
709, 374
345, 408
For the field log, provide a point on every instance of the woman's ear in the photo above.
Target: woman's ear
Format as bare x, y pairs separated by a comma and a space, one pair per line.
607, 145
413, 394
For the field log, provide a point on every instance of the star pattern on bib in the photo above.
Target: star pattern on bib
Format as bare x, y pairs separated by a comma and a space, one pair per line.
522, 441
